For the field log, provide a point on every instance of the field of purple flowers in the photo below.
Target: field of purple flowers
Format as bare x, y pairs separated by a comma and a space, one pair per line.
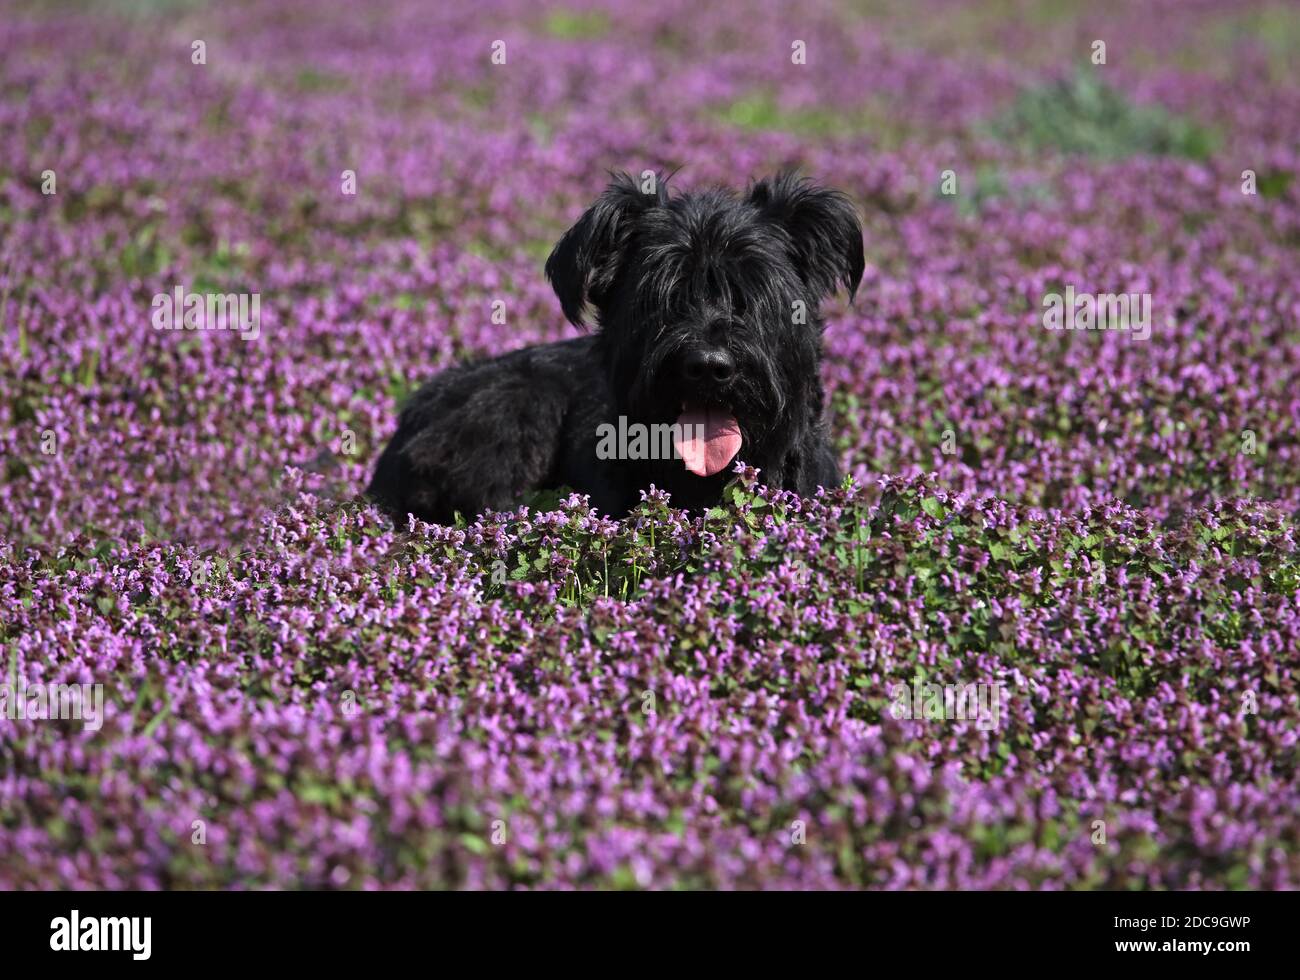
296, 694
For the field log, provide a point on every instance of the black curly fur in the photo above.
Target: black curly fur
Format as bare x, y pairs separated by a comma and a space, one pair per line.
666, 275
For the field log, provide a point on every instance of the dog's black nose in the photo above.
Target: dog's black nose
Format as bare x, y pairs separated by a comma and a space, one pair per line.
709, 365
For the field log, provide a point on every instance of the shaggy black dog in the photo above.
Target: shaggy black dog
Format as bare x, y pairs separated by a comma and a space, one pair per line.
708, 350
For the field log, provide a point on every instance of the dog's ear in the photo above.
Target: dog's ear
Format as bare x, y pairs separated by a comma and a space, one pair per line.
584, 262
824, 230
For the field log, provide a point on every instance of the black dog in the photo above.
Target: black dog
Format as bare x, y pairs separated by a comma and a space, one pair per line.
708, 306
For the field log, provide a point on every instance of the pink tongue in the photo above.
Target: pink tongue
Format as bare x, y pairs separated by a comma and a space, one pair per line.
707, 439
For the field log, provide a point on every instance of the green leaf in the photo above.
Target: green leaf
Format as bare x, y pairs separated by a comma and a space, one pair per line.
474, 843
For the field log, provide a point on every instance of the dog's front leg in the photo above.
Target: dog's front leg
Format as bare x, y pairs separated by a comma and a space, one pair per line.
815, 466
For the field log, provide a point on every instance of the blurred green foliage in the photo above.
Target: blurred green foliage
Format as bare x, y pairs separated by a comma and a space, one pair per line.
1082, 115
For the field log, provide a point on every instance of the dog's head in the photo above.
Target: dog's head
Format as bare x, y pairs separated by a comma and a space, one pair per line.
708, 303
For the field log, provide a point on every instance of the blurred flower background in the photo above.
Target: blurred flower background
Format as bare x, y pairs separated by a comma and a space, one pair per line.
299, 695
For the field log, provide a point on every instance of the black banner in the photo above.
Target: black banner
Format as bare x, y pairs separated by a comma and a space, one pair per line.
338, 930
